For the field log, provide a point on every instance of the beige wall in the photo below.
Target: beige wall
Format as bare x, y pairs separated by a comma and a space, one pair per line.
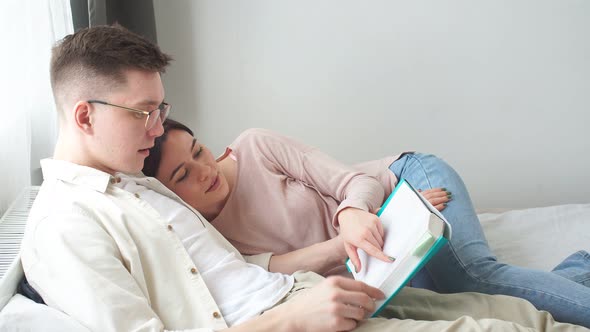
500, 89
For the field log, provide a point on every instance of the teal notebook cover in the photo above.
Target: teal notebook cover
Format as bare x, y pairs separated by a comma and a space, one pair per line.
421, 249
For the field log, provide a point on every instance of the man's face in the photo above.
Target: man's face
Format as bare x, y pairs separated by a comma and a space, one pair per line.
120, 140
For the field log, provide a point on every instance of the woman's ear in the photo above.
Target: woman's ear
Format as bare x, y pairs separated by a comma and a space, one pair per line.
82, 116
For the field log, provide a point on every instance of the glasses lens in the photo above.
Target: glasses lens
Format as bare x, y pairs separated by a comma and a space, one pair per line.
160, 113
152, 119
164, 111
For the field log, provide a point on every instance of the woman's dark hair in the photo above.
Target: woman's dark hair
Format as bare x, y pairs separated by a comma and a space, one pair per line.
152, 162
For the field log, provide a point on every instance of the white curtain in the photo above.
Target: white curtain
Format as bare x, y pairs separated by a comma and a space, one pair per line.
28, 120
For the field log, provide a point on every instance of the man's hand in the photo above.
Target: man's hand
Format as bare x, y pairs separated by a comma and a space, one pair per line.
361, 229
438, 197
335, 304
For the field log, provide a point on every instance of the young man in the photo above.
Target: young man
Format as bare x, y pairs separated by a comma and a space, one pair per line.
120, 252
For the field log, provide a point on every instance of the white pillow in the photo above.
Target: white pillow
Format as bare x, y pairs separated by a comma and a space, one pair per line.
9, 281
22, 314
538, 238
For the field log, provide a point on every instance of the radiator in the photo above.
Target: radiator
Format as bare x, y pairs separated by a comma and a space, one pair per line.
12, 228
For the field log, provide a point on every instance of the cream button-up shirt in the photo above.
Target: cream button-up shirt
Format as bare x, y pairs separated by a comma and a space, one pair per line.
109, 260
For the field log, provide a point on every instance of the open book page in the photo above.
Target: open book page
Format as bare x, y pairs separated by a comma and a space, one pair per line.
405, 219
414, 232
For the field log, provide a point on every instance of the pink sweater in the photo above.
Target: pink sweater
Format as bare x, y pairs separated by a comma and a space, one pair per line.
287, 194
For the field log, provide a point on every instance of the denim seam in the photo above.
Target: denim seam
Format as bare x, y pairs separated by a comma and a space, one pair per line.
584, 254
413, 157
584, 280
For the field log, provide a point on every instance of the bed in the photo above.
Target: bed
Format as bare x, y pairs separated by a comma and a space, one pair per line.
536, 237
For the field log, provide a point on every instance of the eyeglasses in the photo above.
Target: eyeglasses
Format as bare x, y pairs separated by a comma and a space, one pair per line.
152, 116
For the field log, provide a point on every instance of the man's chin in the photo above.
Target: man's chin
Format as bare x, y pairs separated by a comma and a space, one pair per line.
135, 169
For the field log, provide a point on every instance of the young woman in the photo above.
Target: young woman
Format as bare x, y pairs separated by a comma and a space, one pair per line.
270, 193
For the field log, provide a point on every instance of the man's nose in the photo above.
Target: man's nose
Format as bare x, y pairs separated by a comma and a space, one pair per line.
157, 130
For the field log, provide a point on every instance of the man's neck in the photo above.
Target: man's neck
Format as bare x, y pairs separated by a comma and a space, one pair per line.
74, 153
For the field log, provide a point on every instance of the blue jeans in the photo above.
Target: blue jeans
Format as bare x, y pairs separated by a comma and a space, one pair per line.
467, 264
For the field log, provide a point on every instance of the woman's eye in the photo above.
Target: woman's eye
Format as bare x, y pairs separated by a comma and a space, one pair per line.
197, 153
183, 176
138, 115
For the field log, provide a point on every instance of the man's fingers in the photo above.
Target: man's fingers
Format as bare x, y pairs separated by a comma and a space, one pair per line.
352, 312
358, 300
357, 286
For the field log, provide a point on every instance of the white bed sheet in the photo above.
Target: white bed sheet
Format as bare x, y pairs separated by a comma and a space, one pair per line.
538, 237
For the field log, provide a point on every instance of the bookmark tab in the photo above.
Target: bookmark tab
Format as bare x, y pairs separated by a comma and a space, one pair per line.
424, 244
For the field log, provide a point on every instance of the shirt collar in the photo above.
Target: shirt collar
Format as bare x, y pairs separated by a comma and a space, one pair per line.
99, 180
76, 174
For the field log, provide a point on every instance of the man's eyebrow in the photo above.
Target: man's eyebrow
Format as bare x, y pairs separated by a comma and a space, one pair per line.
181, 164
147, 103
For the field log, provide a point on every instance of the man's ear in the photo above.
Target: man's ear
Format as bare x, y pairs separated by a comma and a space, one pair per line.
82, 116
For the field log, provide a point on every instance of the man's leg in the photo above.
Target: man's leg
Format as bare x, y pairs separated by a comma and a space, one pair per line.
423, 310
414, 309
467, 263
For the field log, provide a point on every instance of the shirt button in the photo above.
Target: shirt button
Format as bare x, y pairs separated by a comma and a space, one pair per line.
136, 195
216, 314
169, 227
193, 270
113, 181
118, 179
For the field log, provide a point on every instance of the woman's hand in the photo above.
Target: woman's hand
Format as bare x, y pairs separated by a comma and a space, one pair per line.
361, 229
438, 197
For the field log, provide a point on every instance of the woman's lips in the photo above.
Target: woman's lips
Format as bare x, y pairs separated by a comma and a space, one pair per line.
214, 185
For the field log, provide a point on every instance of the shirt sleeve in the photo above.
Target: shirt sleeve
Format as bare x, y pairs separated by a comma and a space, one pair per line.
77, 268
262, 260
313, 168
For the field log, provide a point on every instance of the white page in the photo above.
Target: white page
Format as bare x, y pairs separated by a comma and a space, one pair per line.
405, 219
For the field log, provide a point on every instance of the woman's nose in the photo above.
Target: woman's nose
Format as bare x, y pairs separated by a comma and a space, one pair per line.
203, 171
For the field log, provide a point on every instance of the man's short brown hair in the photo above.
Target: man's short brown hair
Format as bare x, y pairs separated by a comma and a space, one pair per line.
94, 59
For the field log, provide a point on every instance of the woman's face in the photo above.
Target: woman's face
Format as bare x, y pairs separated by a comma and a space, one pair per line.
189, 169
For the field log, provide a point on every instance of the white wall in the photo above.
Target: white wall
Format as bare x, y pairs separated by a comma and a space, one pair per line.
500, 89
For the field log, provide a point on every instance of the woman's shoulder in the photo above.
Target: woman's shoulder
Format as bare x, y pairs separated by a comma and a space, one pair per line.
258, 138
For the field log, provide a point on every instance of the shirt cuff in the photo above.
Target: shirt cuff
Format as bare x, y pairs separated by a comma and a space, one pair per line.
262, 260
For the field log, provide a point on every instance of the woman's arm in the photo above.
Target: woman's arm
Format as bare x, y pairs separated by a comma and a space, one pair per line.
351, 189
320, 258
357, 193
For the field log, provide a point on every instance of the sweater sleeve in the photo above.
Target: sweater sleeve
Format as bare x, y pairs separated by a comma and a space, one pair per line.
315, 169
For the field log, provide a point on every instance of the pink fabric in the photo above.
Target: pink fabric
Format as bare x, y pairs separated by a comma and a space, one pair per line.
287, 194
